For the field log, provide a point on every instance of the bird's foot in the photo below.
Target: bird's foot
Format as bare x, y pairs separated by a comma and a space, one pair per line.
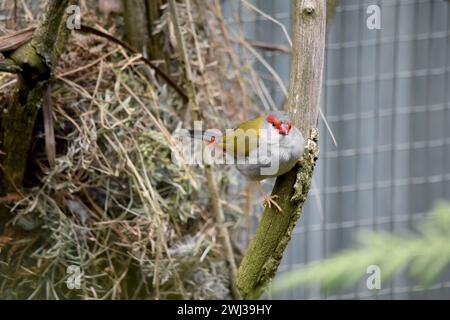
270, 200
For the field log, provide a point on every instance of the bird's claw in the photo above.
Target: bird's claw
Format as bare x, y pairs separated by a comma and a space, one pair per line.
269, 200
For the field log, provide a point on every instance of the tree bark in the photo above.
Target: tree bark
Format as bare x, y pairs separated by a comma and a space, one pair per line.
155, 45
139, 19
136, 24
37, 60
266, 249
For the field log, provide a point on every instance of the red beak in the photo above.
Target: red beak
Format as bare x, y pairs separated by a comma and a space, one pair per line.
284, 129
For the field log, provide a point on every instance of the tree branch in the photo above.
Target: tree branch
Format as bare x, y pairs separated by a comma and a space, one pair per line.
37, 59
266, 249
16, 39
7, 65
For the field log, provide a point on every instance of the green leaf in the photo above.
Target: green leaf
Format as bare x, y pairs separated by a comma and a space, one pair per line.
426, 253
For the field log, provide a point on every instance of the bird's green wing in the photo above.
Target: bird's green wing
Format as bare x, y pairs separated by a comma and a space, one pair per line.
244, 138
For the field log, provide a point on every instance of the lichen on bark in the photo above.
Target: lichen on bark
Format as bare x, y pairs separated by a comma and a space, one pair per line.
273, 234
274, 231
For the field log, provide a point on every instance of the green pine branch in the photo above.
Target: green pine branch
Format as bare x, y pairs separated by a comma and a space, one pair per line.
424, 255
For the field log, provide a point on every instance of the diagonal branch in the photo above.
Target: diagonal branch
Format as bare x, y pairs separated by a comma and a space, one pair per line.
16, 39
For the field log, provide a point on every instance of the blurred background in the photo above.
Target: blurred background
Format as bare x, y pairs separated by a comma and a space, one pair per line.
386, 98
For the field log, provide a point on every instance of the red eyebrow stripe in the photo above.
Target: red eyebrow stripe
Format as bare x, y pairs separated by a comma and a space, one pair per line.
271, 119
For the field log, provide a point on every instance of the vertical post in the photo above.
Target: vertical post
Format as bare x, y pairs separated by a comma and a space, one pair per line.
272, 236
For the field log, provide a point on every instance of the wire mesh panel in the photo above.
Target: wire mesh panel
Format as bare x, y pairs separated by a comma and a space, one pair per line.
386, 98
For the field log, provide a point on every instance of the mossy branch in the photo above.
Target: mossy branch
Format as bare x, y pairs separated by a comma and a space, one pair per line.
37, 60
272, 236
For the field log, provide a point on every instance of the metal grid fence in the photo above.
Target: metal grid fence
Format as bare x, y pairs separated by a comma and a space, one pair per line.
386, 97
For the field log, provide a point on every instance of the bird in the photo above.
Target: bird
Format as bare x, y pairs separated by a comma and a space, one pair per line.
264, 147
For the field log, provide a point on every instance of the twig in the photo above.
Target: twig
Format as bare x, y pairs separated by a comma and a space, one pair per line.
215, 196
197, 49
266, 45
27, 10
10, 68
265, 64
195, 110
242, 86
49, 127
220, 218
234, 59
161, 73
16, 39
327, 125
268, 17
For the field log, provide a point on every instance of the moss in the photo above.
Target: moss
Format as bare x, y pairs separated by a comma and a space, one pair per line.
265, 252
50, 37
17, 125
